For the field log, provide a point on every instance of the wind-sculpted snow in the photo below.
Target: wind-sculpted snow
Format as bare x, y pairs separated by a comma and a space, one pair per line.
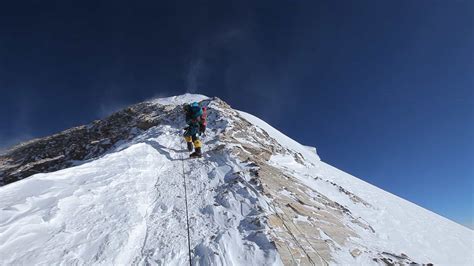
256, 198
181, 99
79, 215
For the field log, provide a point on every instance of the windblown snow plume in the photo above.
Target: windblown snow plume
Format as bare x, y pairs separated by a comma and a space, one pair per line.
116, 191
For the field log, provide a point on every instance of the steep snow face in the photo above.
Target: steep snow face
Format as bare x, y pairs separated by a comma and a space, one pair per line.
256, 198
386, 227
281, 138
365, 225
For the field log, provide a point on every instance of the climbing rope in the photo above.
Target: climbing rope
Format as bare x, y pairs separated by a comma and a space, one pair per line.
290, 233
186, 208
307, 240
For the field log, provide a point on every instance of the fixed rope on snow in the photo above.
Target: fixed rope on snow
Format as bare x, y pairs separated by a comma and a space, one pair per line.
186, 208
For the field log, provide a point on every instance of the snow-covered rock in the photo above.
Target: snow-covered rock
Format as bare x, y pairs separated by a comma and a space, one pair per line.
256, 198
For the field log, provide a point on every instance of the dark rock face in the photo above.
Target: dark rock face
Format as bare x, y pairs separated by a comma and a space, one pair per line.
393, 259
80, 143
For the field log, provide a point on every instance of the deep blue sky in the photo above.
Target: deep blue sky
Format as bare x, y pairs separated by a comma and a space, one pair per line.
383, 89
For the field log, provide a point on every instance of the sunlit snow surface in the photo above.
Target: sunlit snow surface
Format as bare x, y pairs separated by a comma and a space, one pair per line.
284, 140
400, 226
127, 207
181, 99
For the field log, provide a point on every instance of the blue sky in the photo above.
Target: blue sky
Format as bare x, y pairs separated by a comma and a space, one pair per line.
383, 89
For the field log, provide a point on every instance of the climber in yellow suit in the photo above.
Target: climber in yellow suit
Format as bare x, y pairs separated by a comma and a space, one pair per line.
196, 120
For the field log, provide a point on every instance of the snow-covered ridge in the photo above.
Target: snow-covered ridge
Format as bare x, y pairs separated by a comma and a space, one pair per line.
180, 99
280, 137
257, 198
76, 145
311, 149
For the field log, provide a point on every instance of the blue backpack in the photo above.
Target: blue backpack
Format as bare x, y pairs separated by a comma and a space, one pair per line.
195, 110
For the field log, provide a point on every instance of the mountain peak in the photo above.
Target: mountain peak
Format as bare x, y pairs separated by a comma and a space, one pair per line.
180, 99
122, 190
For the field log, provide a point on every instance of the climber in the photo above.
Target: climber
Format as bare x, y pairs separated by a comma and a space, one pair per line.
196, 120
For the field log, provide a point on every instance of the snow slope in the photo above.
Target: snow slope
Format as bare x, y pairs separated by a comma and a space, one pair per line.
281, 138
400, 226
128, 206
